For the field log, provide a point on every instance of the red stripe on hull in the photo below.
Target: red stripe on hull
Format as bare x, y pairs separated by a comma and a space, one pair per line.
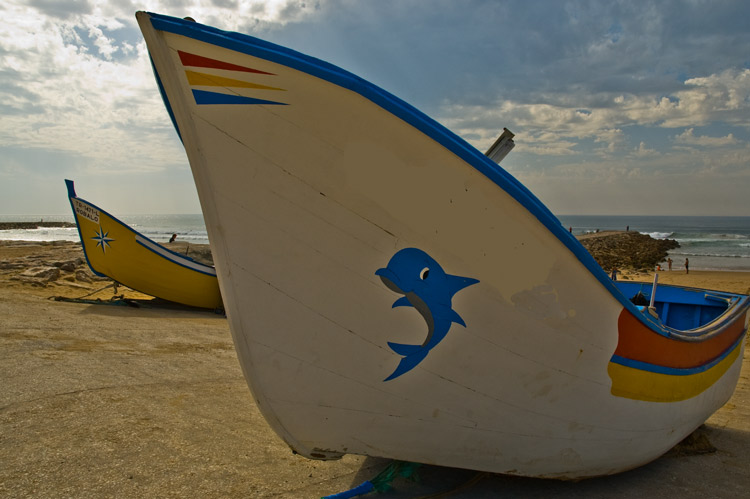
205, 62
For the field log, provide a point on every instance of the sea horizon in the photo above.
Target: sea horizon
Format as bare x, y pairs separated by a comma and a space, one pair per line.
710, 242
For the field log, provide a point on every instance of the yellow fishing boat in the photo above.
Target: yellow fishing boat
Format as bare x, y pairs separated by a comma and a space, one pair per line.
115, 250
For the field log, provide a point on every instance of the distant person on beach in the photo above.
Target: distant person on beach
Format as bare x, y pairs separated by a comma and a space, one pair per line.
687, 266
171, 239
669, 264
613, 275
627, 228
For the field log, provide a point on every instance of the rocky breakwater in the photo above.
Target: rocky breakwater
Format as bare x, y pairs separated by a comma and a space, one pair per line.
627, 250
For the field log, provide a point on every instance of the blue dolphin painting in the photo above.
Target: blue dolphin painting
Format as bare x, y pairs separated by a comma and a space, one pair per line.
426, 287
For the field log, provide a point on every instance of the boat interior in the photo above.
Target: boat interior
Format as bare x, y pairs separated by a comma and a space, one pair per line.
679, 308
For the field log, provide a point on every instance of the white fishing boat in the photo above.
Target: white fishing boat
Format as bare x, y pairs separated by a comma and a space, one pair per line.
394, 292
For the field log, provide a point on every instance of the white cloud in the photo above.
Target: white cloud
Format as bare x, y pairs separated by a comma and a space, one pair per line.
63, 96
729, 90
682, 182
72, 83
687, 137
102, 42
75, 78
721, 97
643, 151
233, 15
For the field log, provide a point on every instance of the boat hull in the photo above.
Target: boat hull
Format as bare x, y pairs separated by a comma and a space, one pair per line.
317, 194
113, 249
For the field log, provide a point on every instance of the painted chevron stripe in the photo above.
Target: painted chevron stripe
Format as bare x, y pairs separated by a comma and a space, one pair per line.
208, 80
200, 79
204, 97
206, 62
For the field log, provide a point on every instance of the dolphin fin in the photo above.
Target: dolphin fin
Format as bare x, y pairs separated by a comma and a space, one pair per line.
409, 362
454, 317
402, 302
404, 350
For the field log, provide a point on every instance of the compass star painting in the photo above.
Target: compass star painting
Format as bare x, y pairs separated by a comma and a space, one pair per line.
102, 239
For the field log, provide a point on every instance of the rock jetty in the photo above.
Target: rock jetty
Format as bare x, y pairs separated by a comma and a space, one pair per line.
627, 250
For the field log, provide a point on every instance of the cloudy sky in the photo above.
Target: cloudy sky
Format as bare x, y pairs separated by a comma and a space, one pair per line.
621, 107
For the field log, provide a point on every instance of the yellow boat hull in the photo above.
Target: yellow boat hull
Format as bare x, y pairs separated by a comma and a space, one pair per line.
115, 250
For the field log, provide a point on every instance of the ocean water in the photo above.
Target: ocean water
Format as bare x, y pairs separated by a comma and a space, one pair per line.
711, 243
189, 228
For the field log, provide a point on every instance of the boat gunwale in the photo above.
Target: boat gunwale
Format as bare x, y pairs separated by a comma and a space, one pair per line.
737, 304
715, 327
250, 45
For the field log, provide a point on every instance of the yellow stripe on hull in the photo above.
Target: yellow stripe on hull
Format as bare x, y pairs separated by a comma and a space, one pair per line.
208, 80
649, 386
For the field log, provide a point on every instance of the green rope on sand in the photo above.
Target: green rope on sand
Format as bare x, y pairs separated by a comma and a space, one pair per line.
382, 482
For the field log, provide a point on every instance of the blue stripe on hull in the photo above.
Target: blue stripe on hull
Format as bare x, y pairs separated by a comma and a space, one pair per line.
204, 97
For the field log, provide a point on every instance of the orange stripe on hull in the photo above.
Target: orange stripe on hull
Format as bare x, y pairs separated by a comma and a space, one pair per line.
636, 341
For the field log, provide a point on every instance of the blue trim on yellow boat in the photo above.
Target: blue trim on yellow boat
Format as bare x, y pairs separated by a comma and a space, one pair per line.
176, 258
72, 195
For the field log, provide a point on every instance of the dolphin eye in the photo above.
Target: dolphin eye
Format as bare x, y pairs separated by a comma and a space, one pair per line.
423, 273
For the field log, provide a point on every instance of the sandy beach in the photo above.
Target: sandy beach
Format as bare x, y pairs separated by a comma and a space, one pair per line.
148, 400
